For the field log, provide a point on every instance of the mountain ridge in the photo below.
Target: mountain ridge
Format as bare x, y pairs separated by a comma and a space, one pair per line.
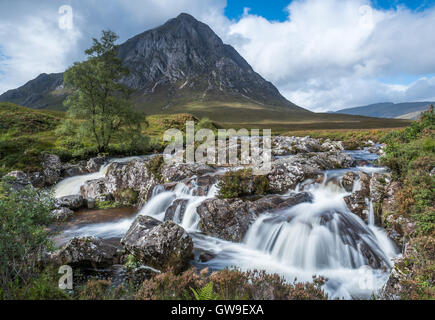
409, 110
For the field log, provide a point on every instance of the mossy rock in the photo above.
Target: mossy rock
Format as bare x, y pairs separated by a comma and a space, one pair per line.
242, 183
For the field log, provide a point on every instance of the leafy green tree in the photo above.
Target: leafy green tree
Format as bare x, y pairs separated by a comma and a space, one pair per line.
99, 99
24, 216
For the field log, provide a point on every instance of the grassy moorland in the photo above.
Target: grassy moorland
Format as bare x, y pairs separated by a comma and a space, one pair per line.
25, 133
410, 155
279, 119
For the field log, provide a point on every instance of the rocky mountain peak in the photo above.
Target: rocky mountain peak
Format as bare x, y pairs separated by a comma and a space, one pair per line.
182, 61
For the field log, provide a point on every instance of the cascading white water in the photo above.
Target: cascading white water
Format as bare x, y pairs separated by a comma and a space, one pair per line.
160, 202
321, 237
71, 186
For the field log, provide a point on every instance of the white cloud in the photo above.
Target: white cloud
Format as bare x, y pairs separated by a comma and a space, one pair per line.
329, 54
32, 44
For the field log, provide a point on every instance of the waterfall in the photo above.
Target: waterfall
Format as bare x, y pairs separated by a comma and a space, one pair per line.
156, 207
321, 237
71, 186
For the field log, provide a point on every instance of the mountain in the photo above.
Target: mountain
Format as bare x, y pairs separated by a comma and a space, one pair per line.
45, 91
184, 67
407, 110
180, 62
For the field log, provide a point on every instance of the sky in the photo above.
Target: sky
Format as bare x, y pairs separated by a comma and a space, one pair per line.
321, 54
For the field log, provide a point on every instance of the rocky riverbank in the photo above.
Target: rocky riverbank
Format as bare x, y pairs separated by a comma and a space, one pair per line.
179, 204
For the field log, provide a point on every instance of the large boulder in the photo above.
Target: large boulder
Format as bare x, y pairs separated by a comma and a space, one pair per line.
286, 173
87, 252
94, 164
73, 202
52, 168
230, 219
176, 171
62, 214
126, 181
95, 189
164, 246
37, 179
71, 170
282, 145
17, 180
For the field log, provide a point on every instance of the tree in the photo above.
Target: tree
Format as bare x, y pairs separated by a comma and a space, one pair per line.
99, 99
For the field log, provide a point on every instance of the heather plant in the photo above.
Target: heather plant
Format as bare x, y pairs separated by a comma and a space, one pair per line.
228, 285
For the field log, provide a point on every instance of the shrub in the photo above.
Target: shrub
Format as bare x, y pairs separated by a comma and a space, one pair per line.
155, 165
228, 285
24, 216
95, 290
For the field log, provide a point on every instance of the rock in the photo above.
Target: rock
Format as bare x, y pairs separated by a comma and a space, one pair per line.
130, 182
176, 210
282, 145
230, 219
90, 203
163, 246
73, 202
399, 229
286, 173
52, 168
94, 164
37, 179
138, 275
86, 252
71, 170
364, 180
62, 214
377, 185
179, 171
95, 189
206, 256
333, 146
402, 271
227, 219
356, 202
17, 180
348, 180
203, 184
392, 288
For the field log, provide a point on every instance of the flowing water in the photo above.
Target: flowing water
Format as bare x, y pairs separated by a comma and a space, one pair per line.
71, 186
320, 238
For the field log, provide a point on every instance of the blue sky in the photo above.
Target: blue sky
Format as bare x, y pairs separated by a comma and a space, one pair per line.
275, 9
331, 54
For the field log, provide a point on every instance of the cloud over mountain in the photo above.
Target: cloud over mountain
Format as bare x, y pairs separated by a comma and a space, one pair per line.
328, 54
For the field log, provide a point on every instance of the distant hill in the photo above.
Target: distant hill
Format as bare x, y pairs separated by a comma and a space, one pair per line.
406, 110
